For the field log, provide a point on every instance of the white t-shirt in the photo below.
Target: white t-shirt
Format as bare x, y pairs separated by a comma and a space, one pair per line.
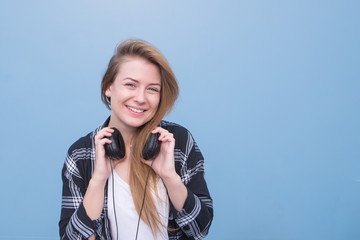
126, 214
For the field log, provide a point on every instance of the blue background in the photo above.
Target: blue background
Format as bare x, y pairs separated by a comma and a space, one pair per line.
269, 89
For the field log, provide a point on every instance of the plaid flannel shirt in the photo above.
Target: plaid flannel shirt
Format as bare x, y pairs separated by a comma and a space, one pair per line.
192, 222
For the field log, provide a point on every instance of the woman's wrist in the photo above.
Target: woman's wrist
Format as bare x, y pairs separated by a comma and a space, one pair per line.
97, 182
171, 177
173, 181
176, 190
94, 198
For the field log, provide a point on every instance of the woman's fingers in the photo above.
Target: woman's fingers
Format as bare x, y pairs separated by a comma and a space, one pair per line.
101, 139
105, 140
164, 164
105, 132
102, 167
165, 135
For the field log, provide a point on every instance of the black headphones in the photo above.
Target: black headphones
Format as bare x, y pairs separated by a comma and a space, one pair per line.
116, 149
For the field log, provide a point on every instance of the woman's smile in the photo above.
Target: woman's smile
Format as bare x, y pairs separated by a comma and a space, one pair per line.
136, 110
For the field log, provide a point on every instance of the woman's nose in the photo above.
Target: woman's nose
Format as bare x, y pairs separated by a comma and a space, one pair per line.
140, 96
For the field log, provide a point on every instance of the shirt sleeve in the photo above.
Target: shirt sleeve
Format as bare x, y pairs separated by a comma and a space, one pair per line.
74, 222
196, 216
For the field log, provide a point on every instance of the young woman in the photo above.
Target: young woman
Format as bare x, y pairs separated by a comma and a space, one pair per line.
103, 197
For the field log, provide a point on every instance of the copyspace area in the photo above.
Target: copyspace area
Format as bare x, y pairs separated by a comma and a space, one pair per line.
269, 90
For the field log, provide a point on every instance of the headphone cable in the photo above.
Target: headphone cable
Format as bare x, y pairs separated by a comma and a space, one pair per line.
142, 205
113, 198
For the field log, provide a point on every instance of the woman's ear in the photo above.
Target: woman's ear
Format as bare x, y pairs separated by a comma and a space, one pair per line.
108, 92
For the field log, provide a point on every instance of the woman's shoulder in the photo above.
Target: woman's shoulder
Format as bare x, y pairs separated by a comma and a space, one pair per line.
82, 145
78, 164
174, 128
181, 134
186, 149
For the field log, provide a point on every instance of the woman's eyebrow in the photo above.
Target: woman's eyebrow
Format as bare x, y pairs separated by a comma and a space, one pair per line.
130, 78
155, 84
137, 81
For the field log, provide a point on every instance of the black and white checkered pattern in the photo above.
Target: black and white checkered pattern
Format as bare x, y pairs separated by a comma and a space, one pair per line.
192, 222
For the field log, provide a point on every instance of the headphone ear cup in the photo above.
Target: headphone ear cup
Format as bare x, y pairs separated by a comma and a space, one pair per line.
152, 146
116, 149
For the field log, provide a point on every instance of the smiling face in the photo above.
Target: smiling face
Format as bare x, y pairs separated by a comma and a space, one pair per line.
134, 94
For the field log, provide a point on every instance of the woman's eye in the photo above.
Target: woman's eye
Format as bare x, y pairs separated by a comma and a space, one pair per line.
153, 89
129, 84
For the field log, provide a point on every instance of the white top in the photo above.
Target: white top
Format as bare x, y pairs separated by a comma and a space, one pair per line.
126, 214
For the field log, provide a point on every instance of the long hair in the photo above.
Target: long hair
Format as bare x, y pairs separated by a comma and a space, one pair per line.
168, 95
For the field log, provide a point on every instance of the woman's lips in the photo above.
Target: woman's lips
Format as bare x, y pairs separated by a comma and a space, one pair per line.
136, 110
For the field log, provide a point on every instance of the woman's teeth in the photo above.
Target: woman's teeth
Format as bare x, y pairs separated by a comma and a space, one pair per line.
136, 110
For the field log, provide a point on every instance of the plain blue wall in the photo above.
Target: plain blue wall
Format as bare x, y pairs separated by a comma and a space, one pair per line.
269, 89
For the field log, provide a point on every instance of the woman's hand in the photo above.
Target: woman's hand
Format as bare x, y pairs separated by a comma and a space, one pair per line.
94, 196
164, 163
164, 166
102, 168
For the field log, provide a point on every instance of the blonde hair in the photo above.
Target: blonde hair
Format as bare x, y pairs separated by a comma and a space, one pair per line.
168, 95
